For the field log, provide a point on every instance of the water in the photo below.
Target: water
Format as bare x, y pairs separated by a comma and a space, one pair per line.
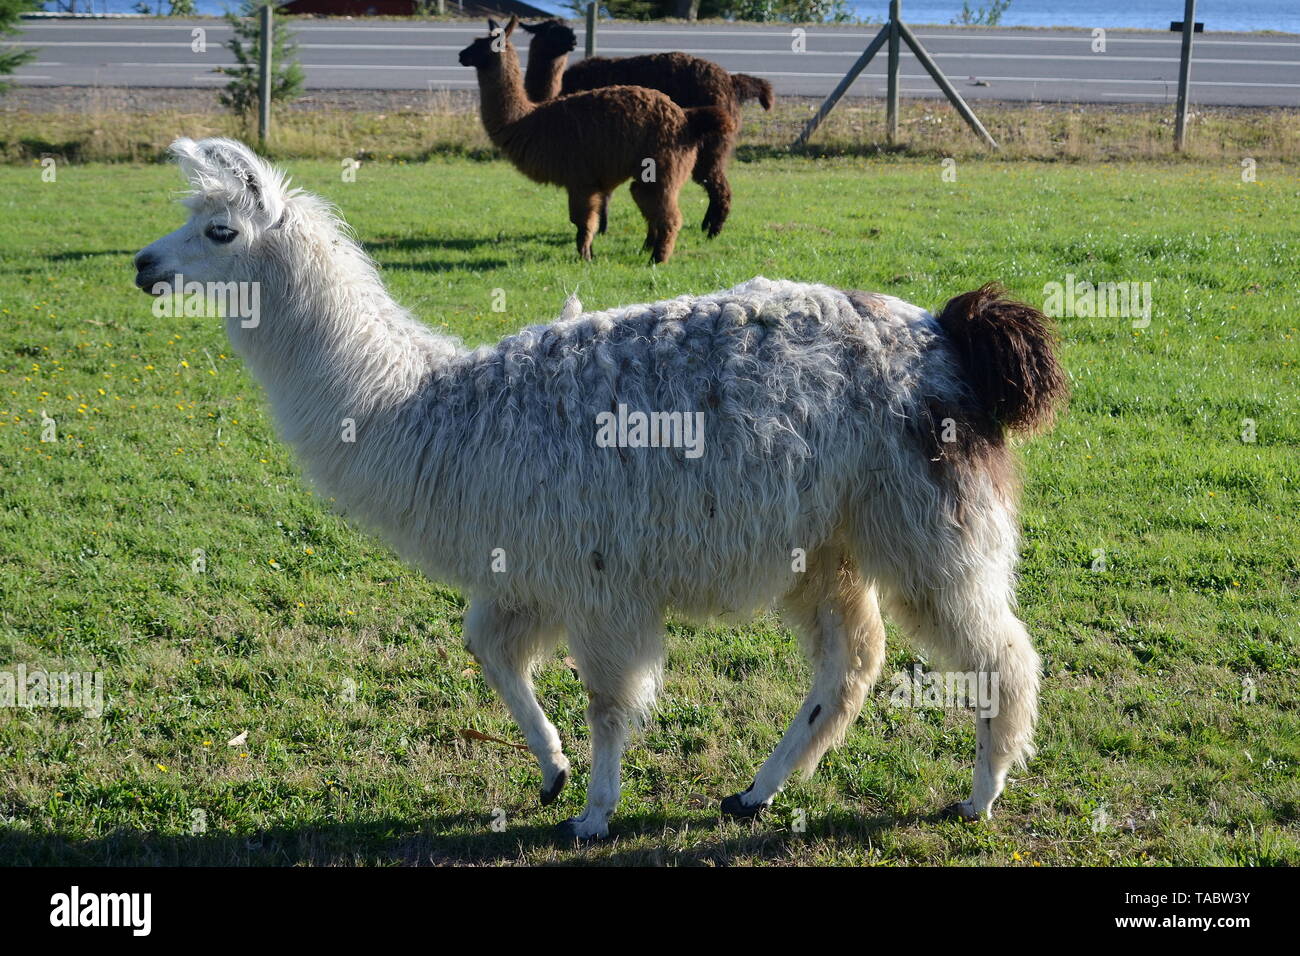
1281, 15
1243, 15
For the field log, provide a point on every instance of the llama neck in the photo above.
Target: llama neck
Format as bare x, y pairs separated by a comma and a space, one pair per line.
502, 100
544, 76
340, 361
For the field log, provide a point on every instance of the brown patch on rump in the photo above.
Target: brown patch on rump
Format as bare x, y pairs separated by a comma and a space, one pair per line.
1007, 358
957, 444
957, 438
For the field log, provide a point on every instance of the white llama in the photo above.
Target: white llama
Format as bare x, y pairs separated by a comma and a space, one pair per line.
853, 447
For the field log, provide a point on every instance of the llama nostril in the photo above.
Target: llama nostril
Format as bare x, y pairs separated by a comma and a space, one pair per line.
143, 261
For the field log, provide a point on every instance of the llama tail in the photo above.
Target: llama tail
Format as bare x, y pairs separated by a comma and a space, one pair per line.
1008, 358
704, 121
752, 88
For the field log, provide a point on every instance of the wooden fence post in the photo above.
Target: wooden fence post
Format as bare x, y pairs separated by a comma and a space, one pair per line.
264, 77
891, 92
591, 30
1184, 74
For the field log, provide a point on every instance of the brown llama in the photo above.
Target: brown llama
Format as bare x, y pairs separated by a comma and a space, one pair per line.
690, 81
591, 142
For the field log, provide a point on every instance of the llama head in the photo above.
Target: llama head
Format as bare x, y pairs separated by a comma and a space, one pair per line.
551, 38
485, 52
236, 202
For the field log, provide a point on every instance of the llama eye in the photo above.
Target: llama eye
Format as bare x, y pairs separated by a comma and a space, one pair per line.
220, 233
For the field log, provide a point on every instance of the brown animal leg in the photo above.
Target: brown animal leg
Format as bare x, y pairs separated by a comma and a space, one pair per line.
658, 204
604, 213
711, 173
584, 211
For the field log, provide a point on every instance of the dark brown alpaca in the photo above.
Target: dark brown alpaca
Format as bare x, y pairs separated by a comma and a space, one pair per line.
690, 81
591, 142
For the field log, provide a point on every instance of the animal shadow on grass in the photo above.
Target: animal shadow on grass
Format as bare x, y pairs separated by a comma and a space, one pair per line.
754, 152
429, 245
68, 151
450, 839
78, 255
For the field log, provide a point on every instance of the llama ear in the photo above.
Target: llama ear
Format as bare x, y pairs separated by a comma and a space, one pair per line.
186, 153
493, 26
510, 27
531, 29
235, 173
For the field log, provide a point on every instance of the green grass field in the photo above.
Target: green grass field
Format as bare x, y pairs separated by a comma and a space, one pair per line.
1159, 574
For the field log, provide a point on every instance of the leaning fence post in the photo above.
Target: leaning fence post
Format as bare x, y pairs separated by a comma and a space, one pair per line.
264, 77
1184, 74
894, 33
941, 81
811, 126
591, 30
891, 95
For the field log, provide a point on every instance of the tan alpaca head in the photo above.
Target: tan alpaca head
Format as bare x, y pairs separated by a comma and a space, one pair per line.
235, 200
485, 52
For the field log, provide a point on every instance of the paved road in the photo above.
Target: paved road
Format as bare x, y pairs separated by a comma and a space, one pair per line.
1045, 65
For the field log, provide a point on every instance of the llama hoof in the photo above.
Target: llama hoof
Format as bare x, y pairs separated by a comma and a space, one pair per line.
576, 830
549, 795
962, 810
735, 806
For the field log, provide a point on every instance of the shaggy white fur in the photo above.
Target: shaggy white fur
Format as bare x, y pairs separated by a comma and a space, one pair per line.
815, 487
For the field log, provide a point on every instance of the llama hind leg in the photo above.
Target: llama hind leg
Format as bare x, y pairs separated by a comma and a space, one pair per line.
658, 204
506, 642
839, 623
972, 628
584, 212
621, 670
604, 213
711, 173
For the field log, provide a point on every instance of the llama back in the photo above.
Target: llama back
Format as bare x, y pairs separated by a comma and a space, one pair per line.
782, 393
613, 128
688, 80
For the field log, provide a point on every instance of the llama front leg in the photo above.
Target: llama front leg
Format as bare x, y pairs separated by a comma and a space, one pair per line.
584, 212
609, 726
622, 674
506, 643
839, 624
